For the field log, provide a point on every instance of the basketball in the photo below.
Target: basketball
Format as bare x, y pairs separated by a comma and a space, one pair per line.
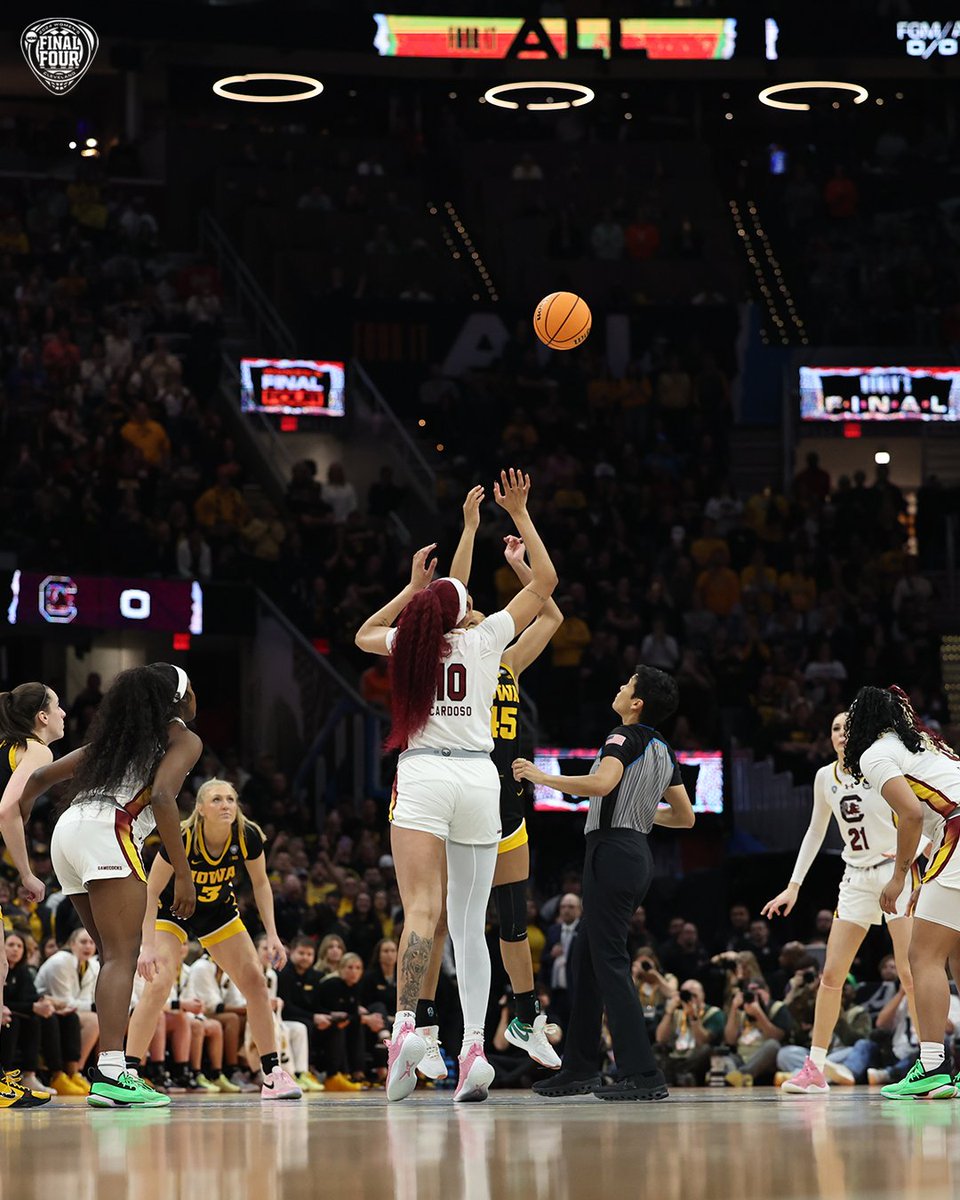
562, 320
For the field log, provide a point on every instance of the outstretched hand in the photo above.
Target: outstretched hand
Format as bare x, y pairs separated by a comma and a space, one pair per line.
512, 491
514, 551
422, 570
471, 508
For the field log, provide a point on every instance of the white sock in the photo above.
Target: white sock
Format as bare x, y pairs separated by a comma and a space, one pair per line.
113, 1063
404, 1018
471, 1035
818, 1056
931, 1055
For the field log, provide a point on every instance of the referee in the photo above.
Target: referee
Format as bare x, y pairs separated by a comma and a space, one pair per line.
634, 770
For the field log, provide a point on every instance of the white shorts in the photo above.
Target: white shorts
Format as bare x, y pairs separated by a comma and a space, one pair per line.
94, 841
940, 904
860, 890
455, 799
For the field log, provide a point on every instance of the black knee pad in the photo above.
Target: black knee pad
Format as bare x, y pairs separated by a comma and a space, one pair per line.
511, 900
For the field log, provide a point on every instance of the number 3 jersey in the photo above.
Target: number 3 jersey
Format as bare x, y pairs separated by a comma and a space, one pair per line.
864, 817
214, 877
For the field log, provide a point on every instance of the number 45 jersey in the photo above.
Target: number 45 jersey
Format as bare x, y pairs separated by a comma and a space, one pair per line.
864, 817
217, 915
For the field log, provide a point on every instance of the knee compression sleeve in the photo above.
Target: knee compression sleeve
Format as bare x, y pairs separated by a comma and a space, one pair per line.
511, 901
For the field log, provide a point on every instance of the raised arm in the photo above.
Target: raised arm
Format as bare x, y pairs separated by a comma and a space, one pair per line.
782, 904
372, 634
536, 637
34, 757
463, 557
511, 494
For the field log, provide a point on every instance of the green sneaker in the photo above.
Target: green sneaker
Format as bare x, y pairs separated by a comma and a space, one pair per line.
126, 1092
919, 1085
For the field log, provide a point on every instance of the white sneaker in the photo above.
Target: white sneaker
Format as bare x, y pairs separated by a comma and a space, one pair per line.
432, 1065
838, 1073
877, 1077
533, 1039
406, 1051
476, 1075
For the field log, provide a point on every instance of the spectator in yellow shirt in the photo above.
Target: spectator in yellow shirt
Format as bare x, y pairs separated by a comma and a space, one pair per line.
709, 543
799, 586
718, 587
221, 510
147, 436
759, 579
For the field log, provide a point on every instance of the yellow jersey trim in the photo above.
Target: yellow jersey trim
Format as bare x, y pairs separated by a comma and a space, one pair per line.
514, 840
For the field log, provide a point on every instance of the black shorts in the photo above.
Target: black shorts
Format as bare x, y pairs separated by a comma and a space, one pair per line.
513, 808
210, 924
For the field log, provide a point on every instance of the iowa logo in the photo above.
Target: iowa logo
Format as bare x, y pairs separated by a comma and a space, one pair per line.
59, 51
851, 810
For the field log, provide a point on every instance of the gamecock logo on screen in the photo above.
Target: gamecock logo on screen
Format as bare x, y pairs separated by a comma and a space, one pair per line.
59, 51
58, 599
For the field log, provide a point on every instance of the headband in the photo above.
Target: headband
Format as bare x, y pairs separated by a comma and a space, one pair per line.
461, 596
183, 684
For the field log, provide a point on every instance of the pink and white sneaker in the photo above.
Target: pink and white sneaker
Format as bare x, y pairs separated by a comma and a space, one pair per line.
278, 1085
476, 1075
808, 1080
407, 1048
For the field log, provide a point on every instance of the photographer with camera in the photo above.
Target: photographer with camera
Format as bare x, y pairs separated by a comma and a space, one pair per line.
686, 1035
654, 988
755, 1030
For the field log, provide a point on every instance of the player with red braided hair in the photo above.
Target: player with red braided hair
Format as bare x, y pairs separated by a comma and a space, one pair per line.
916, 772
447, 799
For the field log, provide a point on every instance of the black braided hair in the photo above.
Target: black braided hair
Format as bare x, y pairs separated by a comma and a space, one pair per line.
876, 711
128, 734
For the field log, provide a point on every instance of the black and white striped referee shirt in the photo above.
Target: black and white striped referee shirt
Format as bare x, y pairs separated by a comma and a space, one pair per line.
649, 768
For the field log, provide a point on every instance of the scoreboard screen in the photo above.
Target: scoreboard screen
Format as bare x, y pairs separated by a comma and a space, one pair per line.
880, 393
94, 602
292, 386
702, 771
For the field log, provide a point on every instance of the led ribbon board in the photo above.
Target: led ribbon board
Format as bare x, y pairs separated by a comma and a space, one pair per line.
708, 794
683, 38
93, 602
880, 393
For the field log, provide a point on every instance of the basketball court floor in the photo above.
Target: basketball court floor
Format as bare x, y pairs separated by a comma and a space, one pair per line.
699, 1145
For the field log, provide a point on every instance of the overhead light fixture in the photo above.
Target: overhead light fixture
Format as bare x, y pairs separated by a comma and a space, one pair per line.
766, 96
882, 458
313, 87
91, 142
583, 93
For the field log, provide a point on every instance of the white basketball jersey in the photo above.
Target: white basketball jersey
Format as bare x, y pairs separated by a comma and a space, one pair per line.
934, 778
466, 683
864, 817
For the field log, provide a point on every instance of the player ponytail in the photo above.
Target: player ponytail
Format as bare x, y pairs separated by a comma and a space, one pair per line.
19, 710
419, 648
876, 711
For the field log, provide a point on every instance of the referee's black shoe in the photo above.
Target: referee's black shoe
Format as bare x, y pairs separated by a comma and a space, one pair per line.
566, 1083
650, 1086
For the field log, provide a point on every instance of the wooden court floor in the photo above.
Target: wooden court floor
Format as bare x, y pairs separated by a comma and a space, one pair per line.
698, 1145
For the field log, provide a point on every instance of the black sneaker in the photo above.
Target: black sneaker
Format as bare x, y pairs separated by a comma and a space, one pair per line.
566, 1083
651, 1086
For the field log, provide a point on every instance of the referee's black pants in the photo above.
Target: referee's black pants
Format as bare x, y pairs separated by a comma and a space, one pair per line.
616, 875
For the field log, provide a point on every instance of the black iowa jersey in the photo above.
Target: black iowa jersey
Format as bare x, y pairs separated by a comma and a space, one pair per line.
504, 727
8, 760
214, 878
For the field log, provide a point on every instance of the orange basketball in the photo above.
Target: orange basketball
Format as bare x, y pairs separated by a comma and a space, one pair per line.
562, 320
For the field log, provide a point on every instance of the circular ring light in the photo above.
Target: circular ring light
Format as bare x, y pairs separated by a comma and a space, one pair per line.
313, 88
766, 96
583, 93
